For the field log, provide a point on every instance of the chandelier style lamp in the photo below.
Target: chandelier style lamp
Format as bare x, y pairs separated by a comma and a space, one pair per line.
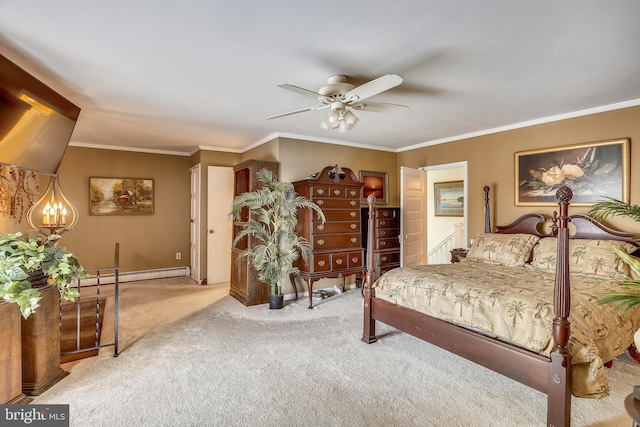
53, 213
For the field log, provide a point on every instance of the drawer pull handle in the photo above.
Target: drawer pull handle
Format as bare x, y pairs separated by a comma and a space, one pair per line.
336, 192
354, 226
352, 202
382, 233
320, 242
354, 259
353, 214
320, 191
321, 263
339, 261
383, 222
384, 258
354, 239
383, 243
353, 192
385, 213
320, 227
320, 202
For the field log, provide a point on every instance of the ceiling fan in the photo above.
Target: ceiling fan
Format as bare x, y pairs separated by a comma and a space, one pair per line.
338, 94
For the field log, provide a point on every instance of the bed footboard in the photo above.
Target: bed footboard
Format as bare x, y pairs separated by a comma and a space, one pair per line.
550, 375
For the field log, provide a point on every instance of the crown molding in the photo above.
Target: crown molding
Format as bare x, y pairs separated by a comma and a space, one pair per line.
565, 116
123, 148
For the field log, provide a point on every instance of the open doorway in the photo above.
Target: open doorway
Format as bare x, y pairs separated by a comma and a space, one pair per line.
446, 228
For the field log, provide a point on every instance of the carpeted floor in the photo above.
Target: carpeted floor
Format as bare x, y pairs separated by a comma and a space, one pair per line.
230, 365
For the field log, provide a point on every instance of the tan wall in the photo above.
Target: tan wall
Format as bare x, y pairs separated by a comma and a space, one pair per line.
146, 241
149, 242
269, 151
299, 159
491, 160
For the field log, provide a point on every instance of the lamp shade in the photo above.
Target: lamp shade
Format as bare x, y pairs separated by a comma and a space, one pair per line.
339, 117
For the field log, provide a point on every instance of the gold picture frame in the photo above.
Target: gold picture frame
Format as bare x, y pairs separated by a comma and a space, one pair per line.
592, 170
376, 183
448, 198
121, 196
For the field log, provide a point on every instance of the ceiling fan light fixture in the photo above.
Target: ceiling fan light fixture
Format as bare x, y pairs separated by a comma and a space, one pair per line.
331, 120
349, 119
339, 117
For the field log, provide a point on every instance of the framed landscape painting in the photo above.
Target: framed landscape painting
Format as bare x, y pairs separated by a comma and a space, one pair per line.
375, 183
449, 198
592, 171
120, 196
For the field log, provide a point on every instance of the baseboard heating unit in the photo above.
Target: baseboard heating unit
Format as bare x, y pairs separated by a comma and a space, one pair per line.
134, 276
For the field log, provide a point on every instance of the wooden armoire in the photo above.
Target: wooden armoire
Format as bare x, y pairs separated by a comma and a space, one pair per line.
337, 244
245, 286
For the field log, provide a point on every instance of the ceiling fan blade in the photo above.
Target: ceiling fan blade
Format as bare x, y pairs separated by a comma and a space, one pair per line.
289, 113
373, 87
382, 107
301, 90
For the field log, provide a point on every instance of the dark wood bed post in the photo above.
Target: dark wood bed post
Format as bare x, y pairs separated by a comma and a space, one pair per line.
369, 331
487, 210
559, 391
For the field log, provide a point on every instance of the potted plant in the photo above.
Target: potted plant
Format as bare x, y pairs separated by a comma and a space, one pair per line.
631, 297
22, 256
272, 219
33, 269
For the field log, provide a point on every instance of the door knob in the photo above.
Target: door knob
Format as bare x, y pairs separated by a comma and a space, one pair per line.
211, 231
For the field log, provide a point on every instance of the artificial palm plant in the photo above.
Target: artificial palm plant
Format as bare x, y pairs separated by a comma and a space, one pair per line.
630, 298
272, 219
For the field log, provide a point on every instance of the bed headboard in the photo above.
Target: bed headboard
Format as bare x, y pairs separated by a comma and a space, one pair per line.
582, 226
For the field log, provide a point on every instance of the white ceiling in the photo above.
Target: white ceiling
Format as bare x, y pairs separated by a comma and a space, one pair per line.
178, 75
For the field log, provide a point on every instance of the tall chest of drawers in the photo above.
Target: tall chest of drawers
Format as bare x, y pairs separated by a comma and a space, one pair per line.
337, 244
387, 246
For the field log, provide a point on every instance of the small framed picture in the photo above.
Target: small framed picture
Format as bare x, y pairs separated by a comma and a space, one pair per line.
449, 198
375, 183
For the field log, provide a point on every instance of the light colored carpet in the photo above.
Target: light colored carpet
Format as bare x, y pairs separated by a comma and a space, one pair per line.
230, 365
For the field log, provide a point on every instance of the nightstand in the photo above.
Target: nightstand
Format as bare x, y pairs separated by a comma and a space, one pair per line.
458, 253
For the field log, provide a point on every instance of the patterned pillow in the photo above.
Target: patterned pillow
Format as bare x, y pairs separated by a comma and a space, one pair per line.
504, 249
590, 258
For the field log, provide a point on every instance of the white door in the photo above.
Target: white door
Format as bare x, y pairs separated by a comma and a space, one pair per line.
413, 217
195, 223
219, 226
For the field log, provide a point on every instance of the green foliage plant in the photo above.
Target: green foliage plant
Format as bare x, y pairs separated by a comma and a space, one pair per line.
631, 297
22, 254
276, 246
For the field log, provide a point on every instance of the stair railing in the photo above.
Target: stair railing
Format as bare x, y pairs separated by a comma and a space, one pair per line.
96, 278
441, 254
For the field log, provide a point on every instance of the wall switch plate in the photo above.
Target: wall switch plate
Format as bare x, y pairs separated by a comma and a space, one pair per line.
178, 255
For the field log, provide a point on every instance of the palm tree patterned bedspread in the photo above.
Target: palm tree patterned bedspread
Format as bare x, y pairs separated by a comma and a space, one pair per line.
516, 304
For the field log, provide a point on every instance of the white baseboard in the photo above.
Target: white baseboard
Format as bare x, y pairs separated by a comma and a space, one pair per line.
134, 276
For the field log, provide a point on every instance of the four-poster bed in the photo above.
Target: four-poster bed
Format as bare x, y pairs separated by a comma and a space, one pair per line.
513, 330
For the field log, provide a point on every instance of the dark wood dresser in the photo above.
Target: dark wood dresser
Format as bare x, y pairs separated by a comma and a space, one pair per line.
387, 247
244, 283
337, 244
